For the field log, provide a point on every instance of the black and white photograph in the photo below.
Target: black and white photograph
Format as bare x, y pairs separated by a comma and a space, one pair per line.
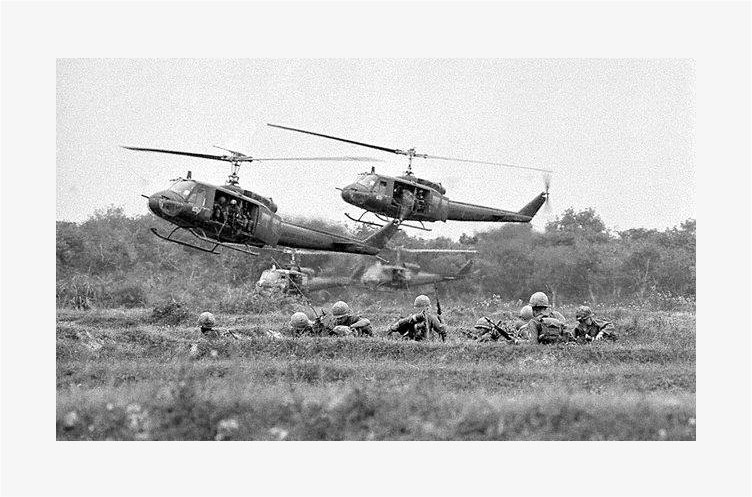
429, 255
386, 259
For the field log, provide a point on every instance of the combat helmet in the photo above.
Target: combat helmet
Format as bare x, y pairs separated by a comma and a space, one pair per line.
583, 312
340, 309
422, 301
299, 321
538, 299
526, 313
482, 324
206, 320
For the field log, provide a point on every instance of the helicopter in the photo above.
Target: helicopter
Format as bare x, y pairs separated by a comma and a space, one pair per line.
409, 198
292, 278
404, 275
231, 217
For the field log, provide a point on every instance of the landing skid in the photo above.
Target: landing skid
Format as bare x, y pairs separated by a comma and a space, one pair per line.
385, 221
202, 237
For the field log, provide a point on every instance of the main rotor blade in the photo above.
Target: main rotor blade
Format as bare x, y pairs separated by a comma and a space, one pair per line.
189, 154
489, 163
376, 147
245, 158
346, 158
438, 251
233, 152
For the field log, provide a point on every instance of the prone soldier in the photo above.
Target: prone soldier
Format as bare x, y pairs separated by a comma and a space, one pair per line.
488, 331
546, 326
300, 325
421, 325
345, 323
207, 322
589, 329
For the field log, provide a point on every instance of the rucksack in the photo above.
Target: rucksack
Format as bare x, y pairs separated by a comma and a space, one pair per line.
551, 330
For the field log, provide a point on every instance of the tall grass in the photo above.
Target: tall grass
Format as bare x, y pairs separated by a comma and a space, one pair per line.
128, 376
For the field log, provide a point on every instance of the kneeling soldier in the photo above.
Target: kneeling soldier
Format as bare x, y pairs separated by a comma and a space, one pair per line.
345, 323
547, 326
588, 328
422, 325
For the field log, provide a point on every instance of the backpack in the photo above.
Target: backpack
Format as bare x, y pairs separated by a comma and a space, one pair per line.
551, 330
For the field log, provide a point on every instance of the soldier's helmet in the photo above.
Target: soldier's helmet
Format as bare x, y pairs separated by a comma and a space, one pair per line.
299, 320
222, 200
340, 309
538, 299
206, 320
526, 313
233, 202
583, 312
422, 301
482, 324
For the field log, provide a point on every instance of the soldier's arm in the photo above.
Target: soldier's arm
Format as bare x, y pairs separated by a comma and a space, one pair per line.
604, 328
360, 322
436, 325
401, 325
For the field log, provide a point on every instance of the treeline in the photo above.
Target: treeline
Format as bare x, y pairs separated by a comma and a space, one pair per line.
115, 260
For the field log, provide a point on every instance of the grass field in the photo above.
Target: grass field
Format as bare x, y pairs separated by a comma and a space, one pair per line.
121, 375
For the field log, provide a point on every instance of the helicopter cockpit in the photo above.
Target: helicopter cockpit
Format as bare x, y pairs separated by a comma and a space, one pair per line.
183, 188
367, 182
190, 191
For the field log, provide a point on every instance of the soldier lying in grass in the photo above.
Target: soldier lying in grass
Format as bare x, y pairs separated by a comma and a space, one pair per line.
589, 329
488, 331
340, 322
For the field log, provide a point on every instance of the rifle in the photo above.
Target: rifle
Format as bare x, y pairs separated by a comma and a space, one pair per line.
438, 302
501, 330
300, 292
438, 309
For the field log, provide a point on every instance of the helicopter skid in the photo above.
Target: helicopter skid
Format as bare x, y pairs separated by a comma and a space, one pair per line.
212, 250
421, 227
360, 220
385, 220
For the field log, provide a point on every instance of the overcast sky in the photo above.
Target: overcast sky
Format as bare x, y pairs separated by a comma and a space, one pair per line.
619, 133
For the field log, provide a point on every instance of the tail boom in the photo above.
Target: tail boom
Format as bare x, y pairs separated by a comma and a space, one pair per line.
460, 211
302, 237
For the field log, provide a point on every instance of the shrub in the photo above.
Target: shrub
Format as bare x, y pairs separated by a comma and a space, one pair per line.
170, 313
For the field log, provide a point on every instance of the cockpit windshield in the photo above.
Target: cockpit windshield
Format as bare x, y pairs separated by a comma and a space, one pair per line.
183, 188
367, 181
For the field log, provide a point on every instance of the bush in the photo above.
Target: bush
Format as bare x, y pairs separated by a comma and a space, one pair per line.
170, 313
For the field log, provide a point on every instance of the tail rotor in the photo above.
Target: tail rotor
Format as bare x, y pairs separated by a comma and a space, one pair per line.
547, 187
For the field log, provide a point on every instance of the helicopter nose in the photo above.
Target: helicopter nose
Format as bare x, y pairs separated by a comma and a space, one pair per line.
165, 204
347, 193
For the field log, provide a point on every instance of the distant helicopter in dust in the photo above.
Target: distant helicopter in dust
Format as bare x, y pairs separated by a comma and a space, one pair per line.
381, 275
